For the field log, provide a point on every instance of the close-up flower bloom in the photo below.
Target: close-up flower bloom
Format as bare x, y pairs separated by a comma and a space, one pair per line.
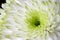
30, 20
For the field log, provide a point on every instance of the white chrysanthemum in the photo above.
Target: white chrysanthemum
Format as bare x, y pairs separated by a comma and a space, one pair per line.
30, 20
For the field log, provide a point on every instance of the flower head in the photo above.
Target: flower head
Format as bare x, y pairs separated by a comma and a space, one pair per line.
31, 20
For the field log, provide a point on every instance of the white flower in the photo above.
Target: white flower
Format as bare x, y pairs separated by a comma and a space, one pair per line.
30, 20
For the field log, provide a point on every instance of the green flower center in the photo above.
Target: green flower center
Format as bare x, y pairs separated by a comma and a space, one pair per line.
37, 23
37, 19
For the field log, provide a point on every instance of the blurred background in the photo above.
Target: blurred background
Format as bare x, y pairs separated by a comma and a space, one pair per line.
2, 2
